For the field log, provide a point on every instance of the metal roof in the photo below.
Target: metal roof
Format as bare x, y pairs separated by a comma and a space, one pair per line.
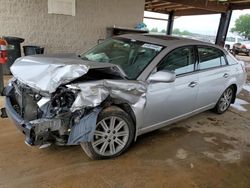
164, 40
195, 7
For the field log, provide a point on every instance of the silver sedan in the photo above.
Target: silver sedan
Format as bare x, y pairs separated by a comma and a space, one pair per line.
122, 88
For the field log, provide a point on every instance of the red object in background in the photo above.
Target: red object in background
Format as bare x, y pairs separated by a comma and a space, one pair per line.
3, 51
243, 46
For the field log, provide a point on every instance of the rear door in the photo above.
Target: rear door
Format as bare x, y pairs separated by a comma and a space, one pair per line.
213, 75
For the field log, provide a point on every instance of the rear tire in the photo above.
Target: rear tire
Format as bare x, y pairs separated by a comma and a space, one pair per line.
225, 101
114, 133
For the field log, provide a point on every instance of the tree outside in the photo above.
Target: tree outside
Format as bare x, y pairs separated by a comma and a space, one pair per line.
242, 25
154, 30
178, 32
175, 31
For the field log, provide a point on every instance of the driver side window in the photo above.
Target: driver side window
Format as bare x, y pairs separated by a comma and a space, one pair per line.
181, 61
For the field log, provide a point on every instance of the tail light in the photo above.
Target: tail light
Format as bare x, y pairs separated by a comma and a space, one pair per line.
243, 46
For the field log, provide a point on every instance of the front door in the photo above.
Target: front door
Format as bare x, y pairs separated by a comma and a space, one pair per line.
168, 101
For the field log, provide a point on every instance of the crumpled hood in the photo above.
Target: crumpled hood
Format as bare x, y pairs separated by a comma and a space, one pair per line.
47, 72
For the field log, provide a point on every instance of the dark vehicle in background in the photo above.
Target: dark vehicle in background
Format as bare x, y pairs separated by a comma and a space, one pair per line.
243, 47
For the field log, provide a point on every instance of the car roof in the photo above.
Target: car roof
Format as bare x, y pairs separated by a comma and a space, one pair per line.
167, 40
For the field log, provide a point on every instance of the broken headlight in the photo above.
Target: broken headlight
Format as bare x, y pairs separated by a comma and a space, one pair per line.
63, 99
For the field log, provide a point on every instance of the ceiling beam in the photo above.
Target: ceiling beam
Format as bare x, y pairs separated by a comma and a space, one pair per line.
186, 12
192, 11
163, 4
154, 5
151, 1
195, 7
202, 5
157, 3
239, 6
240, 1
173, 7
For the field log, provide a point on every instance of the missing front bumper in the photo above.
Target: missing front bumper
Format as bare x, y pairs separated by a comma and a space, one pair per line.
21, 124
38, 132
70, 128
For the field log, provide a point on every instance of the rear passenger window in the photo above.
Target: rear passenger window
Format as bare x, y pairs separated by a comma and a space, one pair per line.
210, 57
231, 59
180, 61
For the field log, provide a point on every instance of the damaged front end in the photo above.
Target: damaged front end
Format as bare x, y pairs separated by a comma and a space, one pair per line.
60, 101
47, 118
68, 116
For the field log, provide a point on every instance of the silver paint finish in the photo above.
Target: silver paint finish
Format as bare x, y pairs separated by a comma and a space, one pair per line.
47, 73
169, 100
155, 104
94, 93
162, 76
111, 136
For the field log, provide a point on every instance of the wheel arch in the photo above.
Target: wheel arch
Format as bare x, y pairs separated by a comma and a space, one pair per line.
234, 86
126, 108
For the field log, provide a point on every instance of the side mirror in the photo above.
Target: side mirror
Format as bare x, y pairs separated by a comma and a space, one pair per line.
162, 76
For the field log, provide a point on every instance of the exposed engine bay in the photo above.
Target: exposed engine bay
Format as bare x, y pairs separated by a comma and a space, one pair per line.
50, 117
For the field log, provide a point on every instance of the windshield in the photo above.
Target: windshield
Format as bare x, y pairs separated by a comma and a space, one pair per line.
132, 56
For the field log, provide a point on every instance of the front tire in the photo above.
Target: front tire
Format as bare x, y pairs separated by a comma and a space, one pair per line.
225, 101
114, 133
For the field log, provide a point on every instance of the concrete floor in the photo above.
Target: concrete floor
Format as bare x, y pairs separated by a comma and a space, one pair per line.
207, 150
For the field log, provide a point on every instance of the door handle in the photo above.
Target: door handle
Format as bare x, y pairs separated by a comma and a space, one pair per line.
226, 75
193, 84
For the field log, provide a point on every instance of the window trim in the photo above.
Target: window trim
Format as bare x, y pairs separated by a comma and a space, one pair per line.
195, 63
211, 68
197, 60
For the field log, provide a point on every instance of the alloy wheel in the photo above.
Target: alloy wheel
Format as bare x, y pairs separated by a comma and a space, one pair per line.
111, 136
226, 99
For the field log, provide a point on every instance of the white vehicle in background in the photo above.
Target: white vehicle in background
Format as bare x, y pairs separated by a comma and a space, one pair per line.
231, 40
